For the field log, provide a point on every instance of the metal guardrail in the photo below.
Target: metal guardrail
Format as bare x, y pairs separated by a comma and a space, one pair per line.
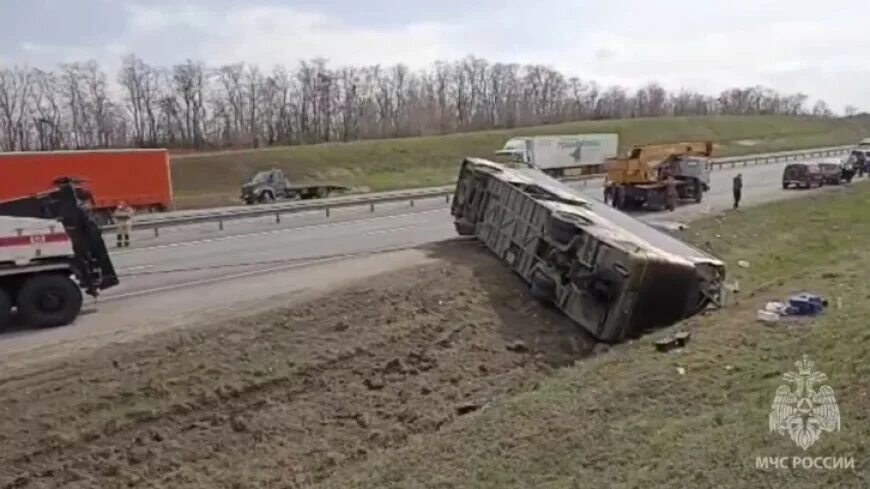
155, 222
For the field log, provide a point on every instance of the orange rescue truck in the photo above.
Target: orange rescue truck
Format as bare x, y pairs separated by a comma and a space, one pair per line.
140, 177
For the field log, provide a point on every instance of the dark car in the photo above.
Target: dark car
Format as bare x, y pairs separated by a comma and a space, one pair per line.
832, 172
802, 175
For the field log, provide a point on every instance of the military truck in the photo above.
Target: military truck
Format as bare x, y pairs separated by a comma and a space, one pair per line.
271, 185
639, 179
612, 274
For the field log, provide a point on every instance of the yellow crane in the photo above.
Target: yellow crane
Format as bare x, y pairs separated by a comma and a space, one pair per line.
640, 178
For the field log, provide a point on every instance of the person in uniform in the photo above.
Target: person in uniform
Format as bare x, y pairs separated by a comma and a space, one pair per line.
124, 217
737, 189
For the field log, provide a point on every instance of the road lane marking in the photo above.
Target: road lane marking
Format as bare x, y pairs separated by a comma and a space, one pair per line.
221, 278
389, 230
296, 264
134, 269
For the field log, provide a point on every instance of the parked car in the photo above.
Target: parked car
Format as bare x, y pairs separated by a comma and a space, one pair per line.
802, 175
832, 172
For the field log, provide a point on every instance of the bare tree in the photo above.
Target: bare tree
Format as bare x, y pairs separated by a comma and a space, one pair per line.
15, 95
240, 105
821, 109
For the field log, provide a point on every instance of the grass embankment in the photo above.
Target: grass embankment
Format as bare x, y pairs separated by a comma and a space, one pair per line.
213, 179
628, 419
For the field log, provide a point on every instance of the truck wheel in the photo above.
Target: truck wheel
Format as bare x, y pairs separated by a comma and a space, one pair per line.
699, 192
266, 197
543, 288
5, 310
784, 185
619, 200
49, 300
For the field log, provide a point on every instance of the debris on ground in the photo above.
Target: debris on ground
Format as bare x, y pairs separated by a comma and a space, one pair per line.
669, 343
743, 264
670, 225
803, 304
518, 346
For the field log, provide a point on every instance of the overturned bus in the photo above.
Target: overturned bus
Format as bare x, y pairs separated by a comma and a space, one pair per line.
611, 273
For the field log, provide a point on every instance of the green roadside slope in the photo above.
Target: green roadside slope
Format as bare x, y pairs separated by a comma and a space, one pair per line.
628, 418
214, 178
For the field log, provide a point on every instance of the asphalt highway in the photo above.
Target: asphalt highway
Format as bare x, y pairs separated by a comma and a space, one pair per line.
191, 254
200, 273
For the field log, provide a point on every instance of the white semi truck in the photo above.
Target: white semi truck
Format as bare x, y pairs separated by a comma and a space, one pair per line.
51, 250
555, 154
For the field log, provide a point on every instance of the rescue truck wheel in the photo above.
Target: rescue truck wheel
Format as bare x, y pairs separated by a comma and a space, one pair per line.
48, 300
699, 192
5, 310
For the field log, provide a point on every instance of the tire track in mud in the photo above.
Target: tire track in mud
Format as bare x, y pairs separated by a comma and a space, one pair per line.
282, 398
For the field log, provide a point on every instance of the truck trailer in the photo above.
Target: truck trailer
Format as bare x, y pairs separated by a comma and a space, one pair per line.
140, 177
558, 155
50, 250
612, 274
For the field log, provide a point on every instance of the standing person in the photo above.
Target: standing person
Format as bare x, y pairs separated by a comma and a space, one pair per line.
124, 218
737, 189
671, 193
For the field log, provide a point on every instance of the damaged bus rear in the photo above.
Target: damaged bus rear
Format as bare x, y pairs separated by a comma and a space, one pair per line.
614, 275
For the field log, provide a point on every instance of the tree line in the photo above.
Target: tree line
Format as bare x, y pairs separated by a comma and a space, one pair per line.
192, 105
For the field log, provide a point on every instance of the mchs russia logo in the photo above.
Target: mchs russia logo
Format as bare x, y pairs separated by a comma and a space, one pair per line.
803, 409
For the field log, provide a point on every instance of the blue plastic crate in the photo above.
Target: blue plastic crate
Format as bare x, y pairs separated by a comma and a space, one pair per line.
806, 304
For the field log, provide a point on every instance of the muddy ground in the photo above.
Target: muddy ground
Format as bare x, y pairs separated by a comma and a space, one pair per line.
281, 399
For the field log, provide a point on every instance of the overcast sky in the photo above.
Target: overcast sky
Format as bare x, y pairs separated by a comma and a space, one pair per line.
819, 48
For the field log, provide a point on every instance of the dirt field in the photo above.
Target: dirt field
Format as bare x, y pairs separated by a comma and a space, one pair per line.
282, 399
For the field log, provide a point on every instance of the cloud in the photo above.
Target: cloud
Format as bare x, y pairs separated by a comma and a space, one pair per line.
707, 46
267, 35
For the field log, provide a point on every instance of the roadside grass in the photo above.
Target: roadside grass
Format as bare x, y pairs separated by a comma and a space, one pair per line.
629, 419
387, 164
